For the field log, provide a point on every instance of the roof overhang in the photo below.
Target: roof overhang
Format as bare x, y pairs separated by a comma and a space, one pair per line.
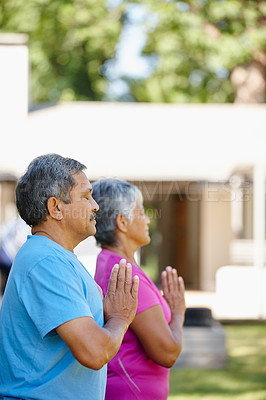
139, 141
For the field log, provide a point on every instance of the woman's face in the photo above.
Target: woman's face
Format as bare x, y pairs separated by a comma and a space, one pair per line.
138, 228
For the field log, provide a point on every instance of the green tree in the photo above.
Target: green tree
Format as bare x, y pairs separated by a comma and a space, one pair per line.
69, 41
208, 51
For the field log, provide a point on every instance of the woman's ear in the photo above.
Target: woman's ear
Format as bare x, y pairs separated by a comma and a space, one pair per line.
121, 223
54, 208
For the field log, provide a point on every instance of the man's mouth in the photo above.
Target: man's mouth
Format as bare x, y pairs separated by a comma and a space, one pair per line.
92, 217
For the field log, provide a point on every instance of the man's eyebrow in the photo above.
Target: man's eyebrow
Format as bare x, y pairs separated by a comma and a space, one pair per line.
87, 191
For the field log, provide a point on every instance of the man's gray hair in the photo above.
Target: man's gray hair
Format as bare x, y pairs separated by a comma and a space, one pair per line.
49, 175
114, 197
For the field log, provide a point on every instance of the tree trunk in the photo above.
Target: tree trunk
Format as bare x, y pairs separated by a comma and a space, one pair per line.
249, 81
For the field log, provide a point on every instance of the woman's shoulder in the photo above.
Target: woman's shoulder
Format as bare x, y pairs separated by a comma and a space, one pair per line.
107, 258
104, 265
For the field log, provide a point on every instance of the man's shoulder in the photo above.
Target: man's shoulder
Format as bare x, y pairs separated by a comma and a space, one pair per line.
40, 245
42, 253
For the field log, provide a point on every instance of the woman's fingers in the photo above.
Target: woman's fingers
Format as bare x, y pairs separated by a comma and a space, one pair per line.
164, 282
173, 288
175, 277
181, 284
169, 280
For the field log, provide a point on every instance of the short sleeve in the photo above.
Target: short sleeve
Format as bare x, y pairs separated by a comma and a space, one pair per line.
53, 294
147, 294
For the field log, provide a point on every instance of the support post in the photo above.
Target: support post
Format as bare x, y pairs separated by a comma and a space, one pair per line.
259, 227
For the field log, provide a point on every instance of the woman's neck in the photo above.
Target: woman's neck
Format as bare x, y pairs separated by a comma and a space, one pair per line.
124, 252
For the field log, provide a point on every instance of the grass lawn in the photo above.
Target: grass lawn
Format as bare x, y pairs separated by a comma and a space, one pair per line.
244, 377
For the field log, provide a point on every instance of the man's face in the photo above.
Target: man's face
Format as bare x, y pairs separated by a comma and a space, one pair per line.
79, 217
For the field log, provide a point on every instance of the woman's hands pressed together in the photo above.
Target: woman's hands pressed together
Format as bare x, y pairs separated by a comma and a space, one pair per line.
174, 292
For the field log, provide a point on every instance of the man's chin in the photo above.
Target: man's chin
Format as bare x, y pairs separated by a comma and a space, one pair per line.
92, 231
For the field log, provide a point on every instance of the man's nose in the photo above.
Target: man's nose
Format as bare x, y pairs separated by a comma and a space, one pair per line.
94, 205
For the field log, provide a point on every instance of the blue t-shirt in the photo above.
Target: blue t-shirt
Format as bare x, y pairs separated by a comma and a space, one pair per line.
47, 286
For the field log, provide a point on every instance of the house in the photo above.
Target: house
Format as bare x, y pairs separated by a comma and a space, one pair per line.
201, 168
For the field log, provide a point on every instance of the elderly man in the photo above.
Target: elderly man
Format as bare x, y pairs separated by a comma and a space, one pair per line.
56, 331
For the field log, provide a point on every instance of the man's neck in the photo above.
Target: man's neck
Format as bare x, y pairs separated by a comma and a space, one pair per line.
52, 234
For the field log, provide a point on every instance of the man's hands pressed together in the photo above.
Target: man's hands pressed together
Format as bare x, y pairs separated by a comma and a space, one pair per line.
121, 299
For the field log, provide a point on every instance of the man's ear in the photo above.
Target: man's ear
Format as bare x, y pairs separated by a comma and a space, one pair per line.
122, 223
54, 208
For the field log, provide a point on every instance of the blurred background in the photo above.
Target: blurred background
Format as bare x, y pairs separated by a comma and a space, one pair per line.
169, 95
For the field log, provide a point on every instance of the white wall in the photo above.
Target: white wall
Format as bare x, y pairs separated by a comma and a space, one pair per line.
215, 232
14, 71
240, 293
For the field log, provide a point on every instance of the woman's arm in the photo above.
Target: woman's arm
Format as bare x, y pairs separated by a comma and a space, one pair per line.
162, 342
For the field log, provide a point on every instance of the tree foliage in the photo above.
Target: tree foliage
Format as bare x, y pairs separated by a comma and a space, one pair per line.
198, 50
198, 44
69, 41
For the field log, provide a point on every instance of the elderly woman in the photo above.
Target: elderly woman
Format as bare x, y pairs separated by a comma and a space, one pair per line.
140, 370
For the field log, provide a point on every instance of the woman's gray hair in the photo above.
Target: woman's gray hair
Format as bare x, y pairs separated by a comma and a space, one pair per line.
114, 197
49, 175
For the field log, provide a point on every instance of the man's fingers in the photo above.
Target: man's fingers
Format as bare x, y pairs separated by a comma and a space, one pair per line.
135, 287
113, 279
128, 277
121, 275
100, 290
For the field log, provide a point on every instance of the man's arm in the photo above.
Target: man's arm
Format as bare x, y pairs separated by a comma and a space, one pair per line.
92, 345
